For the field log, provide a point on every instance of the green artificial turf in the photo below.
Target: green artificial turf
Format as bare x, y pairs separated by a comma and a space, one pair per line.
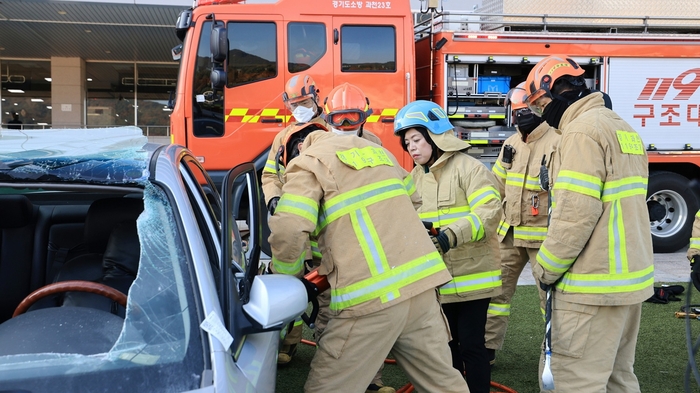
660, 365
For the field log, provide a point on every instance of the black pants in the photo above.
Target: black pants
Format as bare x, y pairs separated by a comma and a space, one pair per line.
468, 325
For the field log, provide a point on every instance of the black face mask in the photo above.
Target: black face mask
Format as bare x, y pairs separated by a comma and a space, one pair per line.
526, 121
560, 103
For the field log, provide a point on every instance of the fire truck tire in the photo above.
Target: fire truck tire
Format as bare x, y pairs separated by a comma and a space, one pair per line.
672, 206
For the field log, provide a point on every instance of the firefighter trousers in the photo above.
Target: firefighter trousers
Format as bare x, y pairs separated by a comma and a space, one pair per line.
415, 331
593, 347
513, 261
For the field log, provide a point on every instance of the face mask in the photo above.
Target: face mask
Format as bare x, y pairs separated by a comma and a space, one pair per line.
527, 122
343, 132
560, 103
303, 114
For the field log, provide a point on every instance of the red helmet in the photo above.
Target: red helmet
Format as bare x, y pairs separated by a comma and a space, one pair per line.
299, 88
516, 97
346, 107
542, 77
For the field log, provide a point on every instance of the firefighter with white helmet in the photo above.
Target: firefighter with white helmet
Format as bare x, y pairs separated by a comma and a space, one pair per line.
461, 199
353, 194
301, 99
523, 226
598, 254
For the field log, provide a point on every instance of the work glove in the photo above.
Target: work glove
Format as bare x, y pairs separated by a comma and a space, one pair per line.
692, 252
272, 205
545, 287
443, 241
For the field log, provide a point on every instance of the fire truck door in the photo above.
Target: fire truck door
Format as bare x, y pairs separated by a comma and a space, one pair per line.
244, 122
370, 53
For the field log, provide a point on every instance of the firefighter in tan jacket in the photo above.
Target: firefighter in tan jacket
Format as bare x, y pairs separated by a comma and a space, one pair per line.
523, 225
694, 248
301, 99
598, 253
381, 265
461, 199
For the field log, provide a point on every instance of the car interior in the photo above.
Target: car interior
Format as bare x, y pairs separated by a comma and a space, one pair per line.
48, 238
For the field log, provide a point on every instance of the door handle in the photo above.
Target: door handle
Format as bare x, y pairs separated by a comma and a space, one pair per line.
275, 120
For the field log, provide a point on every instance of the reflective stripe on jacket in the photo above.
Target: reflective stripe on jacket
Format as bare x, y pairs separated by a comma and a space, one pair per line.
361, 204
519, 185
460, 193
598, 249
695, 239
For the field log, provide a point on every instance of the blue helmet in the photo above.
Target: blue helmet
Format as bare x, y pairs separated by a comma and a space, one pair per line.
426, 114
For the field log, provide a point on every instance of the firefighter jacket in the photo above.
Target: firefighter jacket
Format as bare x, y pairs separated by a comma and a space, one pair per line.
598, 248
525, 203
271, 184
694, 248
460, 193
360, 203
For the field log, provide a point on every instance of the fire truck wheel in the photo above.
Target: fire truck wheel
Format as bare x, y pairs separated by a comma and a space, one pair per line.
672, 206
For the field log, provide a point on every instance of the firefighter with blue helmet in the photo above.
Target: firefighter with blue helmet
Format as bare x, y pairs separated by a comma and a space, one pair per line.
461, 199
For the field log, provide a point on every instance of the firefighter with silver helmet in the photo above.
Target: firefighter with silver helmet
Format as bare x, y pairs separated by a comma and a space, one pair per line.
461, 200
353, 195
301, 99
597, 256
523, 226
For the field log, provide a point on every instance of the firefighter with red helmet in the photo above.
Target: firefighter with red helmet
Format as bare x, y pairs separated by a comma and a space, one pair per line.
523, 225
345, 110
460, 197
597, 256
353, 194
301, 99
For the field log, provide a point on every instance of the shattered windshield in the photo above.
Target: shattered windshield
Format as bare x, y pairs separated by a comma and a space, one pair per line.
159, 346
94, 156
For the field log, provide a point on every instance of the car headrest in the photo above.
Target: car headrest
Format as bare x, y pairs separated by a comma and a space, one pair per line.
16, 211
121, 258
103, 215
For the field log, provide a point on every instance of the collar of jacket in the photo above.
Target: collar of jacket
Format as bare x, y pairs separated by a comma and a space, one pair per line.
538, 132
440, 162
591, 101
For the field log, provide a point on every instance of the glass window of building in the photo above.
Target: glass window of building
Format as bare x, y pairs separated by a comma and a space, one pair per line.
25, 98
155, 83
110, 101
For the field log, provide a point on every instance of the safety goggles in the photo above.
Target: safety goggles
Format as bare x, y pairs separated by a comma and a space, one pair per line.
538, 100
347, 118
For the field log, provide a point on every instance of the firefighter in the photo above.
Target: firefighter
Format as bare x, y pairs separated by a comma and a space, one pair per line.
694, 249
354, 195
523, 225
597, 256
346, 110
301, 99
460, 197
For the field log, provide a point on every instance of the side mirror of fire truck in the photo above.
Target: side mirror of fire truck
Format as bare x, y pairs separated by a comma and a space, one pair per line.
184, 22
219, 51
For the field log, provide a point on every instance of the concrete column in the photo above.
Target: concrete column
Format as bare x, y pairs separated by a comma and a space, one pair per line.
68, 92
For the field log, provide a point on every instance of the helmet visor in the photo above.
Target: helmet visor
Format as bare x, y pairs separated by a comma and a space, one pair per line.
538, 100
346, 118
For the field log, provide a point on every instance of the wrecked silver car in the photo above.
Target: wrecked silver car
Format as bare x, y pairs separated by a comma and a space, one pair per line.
122, 268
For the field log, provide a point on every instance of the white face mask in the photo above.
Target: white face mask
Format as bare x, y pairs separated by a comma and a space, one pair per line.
303, 114
343, 132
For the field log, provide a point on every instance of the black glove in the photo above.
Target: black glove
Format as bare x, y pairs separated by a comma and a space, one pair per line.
272, 205
545, 287
441, 242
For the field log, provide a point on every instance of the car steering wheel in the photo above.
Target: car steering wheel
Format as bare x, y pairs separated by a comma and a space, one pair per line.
70, 286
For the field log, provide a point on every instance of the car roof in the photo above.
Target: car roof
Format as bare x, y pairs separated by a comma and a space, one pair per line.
104, 156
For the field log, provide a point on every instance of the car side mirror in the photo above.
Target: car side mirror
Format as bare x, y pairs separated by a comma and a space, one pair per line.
276, 300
